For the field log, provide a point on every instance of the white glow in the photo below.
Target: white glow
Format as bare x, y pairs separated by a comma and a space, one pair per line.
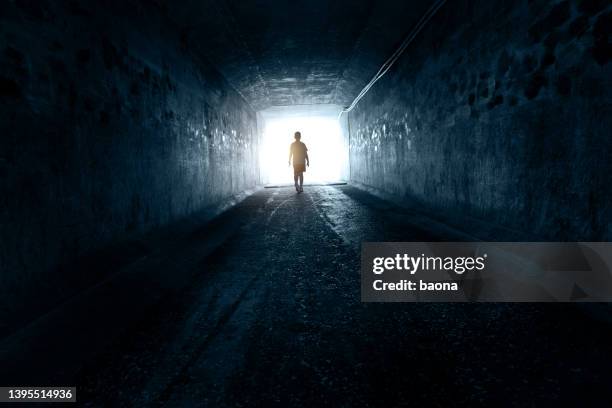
326, 149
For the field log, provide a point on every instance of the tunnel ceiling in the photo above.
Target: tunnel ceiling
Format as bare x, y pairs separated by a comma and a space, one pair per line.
294, 52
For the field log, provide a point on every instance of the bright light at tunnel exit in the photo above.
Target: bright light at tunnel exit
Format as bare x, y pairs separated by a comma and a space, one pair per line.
326, 149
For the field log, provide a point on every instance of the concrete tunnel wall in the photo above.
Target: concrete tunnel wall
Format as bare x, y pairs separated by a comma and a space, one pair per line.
110, 128
499, 111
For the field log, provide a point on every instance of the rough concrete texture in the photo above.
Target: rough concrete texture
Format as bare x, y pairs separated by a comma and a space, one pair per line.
110, 128
296, 52
483, 119
286, 327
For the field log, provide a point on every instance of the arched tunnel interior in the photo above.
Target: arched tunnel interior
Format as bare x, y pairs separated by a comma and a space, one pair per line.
155, 252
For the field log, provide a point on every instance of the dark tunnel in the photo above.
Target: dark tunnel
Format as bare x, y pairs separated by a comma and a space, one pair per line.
154, 250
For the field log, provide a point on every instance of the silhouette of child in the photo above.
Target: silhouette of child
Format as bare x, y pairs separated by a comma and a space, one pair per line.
299, 152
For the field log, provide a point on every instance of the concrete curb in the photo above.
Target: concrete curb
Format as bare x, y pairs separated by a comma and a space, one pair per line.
479, 229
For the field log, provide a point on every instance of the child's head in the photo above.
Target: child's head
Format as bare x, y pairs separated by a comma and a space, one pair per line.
297, 135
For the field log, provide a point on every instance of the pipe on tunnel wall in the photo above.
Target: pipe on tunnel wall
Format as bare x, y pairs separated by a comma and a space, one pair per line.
104, 142
481, 120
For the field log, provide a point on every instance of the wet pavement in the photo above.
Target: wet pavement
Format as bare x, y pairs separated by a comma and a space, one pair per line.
274, 318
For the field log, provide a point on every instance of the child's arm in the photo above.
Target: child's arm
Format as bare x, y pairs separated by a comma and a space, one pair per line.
307, 159
290, 154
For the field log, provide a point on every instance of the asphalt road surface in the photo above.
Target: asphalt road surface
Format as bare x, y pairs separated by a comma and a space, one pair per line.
274, 318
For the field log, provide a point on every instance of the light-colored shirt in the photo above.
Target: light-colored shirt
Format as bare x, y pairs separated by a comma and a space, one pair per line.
299, 152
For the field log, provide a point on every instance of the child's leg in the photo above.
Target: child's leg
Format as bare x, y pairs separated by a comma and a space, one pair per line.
301, 179
295, 179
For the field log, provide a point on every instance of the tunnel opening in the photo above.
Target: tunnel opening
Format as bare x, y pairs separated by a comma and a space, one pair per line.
322, 134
